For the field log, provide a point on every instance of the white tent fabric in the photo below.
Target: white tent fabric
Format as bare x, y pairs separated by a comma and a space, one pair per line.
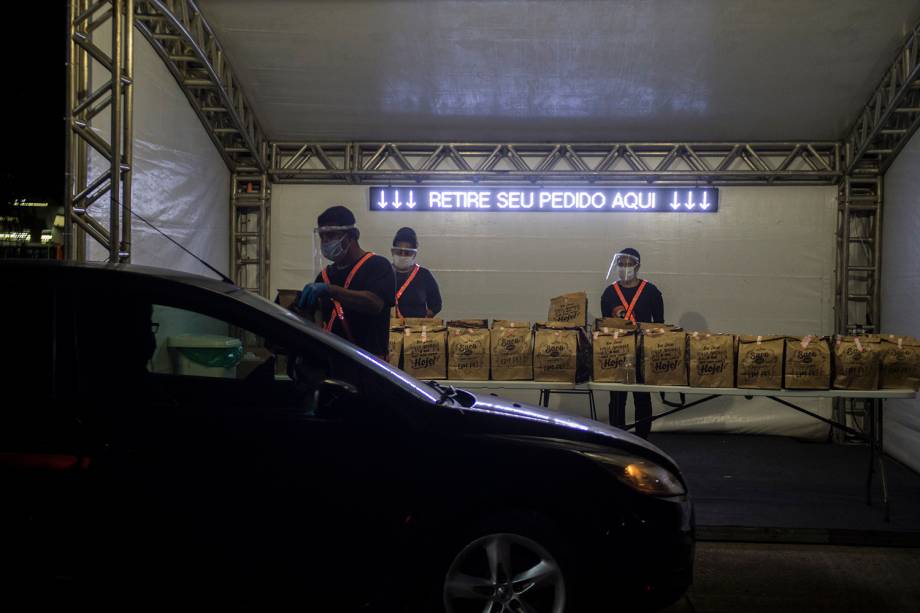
901, 289
763, 264
181, 184
578, 70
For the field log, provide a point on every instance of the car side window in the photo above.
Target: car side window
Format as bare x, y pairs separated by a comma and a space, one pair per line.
28, 362
145, 352
197, 345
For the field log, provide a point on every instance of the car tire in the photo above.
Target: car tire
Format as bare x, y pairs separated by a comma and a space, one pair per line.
509, 559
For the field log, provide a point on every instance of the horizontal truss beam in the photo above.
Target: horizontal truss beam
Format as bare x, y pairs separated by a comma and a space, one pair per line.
891, 116
598, 163
188, 46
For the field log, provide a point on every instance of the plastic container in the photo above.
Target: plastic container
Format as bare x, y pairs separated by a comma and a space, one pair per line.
200, 355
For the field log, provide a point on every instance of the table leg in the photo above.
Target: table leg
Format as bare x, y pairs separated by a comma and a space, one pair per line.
869, 425
544, 398
591, 404
880, 425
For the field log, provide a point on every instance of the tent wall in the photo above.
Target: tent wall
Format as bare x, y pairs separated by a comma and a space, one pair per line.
901, 288
763, 264
181, 184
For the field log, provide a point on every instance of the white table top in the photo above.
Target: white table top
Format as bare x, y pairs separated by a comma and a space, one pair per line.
734, 391
513, 385
676, 389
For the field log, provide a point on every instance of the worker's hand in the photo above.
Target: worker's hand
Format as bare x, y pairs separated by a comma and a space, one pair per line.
311, 294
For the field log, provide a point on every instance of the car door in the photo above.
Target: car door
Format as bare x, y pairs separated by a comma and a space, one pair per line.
215, 463
41, 454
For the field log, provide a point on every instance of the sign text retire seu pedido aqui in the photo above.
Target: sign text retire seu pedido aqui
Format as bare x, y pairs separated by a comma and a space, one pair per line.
522, 200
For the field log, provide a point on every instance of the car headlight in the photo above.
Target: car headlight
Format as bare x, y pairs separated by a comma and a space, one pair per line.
640, 474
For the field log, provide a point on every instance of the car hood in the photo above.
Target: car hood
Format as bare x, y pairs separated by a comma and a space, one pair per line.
560, 425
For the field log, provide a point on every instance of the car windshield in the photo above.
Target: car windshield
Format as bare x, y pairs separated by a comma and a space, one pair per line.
397, 376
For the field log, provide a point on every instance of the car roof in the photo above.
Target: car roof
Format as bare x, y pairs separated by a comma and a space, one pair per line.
231, 291
165, 274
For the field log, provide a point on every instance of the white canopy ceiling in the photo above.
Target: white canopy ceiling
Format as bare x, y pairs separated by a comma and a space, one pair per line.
570, 70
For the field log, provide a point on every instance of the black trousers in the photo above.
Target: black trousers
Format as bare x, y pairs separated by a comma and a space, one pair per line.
643, 402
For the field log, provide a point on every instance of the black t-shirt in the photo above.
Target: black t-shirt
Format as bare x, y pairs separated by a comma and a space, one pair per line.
421, 295
371, 330
648, 309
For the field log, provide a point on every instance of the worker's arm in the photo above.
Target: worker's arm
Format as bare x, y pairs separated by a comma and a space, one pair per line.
361, 301
607, 302
658, 308
434, 296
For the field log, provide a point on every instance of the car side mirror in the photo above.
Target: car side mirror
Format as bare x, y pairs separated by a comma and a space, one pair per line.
333, 396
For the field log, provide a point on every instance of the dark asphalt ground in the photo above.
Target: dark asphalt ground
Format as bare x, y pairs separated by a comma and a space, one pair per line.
756, 577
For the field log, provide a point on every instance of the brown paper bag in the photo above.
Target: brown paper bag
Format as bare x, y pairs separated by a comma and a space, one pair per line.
394, 354
760, 362
510, 323
807, 365
857, 361
468, 323
615, 323
561, 353
570, 309
512, 351
468, 353
416, 322
664, 357
425, 352
900, 363
711, 359
614, 353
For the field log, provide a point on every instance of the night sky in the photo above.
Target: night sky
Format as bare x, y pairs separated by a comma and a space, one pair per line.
35, 88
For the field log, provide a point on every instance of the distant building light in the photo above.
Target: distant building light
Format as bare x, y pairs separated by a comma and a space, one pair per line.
14, 236
27, 203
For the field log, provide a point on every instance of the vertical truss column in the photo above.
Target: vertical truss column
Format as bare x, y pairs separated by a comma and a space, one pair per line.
87, 109
859, 250
250, 232
859, 216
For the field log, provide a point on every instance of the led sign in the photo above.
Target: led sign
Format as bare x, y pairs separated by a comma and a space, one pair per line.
519, 200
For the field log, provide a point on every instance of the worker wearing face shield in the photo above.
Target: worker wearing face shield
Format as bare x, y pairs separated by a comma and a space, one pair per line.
355, 292
637, 300
417, 293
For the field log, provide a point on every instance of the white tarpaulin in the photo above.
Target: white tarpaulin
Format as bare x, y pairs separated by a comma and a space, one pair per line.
901, 289
763, 264
181, 184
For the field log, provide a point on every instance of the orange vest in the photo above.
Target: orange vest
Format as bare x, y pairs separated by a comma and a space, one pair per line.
629, 307
403, 288
337, 310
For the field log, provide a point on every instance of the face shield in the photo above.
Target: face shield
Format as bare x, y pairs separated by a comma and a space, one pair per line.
329, 243
403, 258
625, 265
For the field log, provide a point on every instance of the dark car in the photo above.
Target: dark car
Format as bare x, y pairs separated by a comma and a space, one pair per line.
171, 437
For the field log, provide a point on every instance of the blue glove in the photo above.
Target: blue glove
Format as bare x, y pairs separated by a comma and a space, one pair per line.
311, 294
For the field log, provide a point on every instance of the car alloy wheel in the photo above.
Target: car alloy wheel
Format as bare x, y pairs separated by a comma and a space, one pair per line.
504, 573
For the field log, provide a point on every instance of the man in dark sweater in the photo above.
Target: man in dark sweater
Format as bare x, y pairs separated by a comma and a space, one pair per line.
637, 300
355, 292
417, 292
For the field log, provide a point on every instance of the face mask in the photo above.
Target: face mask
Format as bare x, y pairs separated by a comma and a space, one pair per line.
334, 249
403, 262
626, 273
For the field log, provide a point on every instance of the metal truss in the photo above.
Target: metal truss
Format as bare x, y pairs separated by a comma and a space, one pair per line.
250, 232
188, 46
859, 234
595, 163
99, 118
891, 116
858, 270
